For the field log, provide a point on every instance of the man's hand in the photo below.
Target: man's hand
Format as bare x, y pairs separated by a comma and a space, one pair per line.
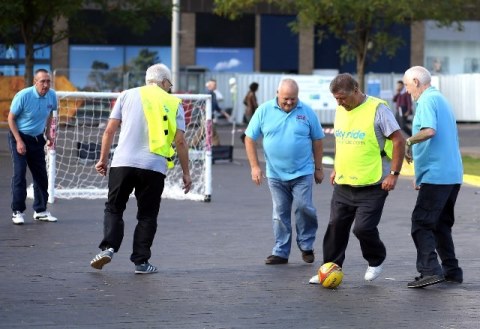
389, 183
318, 175
101, 167
332, 177
257, 175
187, 183
21, 148
408, 153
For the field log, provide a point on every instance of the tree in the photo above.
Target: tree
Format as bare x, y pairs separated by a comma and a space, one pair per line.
365, 26
35, 21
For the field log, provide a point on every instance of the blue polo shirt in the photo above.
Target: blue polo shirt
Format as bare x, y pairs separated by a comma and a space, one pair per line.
32, 110
287, 138
437, 160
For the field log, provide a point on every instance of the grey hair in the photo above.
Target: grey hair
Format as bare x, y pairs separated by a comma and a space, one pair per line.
157, 73
420, 73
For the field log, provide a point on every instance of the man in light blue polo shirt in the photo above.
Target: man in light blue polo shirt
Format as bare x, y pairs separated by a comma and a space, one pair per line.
293, 148
30, 112
434, 148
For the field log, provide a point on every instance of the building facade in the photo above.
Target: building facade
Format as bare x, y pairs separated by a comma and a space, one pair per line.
259, 41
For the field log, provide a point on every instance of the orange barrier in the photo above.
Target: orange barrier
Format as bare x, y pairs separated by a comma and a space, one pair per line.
10, 85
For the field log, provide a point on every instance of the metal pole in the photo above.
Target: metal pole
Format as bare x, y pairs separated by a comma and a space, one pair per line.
175, 44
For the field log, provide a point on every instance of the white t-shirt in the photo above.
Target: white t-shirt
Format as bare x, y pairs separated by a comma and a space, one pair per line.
133, 146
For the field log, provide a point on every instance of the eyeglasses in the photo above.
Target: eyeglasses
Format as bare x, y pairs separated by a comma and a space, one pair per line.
171, 84
43, 82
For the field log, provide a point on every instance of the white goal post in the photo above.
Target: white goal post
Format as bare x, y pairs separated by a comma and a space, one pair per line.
78, 127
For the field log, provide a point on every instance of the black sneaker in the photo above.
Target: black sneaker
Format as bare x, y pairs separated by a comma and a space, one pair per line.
308, 256
423, 281
275, 260
453, 279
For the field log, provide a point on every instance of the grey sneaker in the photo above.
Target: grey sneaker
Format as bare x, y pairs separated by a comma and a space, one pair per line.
102, 258
18, 218
145, 268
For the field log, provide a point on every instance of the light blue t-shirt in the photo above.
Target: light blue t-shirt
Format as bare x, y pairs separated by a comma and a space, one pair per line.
437, 160
287, 138
32, 110
133, 148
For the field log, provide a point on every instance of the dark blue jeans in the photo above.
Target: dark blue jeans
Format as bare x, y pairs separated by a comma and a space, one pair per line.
34, 159
364, 205
432, 221
148, 186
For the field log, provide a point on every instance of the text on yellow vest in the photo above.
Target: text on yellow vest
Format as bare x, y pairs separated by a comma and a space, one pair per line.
358, 158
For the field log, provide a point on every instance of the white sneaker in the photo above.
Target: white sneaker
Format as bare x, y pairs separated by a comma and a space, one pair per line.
17, 218
373, 272
44, 216
314, 280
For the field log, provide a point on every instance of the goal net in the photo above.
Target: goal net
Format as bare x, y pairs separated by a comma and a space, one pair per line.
78, 127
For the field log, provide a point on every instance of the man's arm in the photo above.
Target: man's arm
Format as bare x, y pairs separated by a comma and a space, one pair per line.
397, 160
12, 124
182, 152
318, 157
47, 130
107, 140
423, 135
256, 171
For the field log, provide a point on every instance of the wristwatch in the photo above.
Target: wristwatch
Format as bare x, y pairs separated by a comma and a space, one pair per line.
409, 143
394, 173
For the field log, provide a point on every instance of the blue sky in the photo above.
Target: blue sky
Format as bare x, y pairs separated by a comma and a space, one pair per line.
226, 59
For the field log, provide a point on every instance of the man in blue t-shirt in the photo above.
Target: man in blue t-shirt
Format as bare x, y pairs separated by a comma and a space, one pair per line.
292, 143
30, 112
434, 148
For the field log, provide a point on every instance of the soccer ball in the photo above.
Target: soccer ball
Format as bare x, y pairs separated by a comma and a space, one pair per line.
330, 275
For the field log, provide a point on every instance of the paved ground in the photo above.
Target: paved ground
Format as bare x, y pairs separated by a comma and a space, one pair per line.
212, 275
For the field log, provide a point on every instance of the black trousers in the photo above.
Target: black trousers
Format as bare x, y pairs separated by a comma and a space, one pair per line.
148, 186
364, 205
432, 221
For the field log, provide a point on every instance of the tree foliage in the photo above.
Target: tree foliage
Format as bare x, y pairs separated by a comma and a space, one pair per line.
104, 78
34, 21
364, 26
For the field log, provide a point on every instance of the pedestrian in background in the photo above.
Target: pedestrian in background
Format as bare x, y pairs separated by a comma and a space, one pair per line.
292, 143
152, 120
435, 152
369, 151
217, 96
403, 106
251, 104
30, 113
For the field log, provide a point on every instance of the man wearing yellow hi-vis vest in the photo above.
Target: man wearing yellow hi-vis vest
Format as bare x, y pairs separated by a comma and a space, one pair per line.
369, 150
151, 121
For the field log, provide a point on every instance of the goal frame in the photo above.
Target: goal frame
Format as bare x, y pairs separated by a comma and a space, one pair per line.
54, 192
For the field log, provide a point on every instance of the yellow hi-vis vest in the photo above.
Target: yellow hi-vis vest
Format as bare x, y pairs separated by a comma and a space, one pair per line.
358, 158
160, 109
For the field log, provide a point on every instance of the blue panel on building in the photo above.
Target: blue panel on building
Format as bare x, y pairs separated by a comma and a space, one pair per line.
279, 45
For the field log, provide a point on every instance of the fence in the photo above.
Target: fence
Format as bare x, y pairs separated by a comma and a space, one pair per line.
461, 90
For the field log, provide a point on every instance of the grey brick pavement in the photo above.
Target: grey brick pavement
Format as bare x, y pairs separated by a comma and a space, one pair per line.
211, 272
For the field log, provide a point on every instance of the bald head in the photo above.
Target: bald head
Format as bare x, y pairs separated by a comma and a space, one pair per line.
287, 94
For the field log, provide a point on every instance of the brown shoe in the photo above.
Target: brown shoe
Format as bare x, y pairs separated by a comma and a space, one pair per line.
275, 260
308, 256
